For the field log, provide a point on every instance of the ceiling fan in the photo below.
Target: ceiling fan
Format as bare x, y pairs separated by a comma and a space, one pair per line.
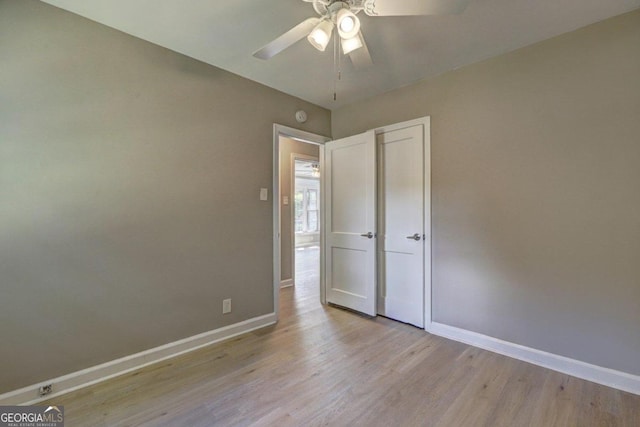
341, 15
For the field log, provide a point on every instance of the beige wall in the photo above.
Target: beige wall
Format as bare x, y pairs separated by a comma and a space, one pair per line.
287, 147
129, 193
536, 191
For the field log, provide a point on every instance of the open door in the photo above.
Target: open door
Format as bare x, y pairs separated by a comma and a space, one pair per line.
350, 222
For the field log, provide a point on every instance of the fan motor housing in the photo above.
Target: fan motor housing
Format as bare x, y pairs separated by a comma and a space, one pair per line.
336, 6
331, 7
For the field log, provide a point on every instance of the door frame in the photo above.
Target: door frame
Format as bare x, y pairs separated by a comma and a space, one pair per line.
426, 129
309, 138
310, 159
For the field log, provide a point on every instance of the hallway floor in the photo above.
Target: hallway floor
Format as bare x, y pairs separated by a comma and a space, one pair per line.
307, 268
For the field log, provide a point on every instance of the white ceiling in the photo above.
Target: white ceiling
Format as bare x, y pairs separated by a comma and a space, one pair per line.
404, 49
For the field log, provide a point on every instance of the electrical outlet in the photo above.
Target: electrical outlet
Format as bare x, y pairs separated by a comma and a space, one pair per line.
226, 306
45, 389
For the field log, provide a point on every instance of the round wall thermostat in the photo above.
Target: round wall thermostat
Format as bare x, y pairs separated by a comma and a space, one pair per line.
301, 116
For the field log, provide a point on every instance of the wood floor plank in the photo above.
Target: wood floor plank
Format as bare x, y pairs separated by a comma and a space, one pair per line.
326, 366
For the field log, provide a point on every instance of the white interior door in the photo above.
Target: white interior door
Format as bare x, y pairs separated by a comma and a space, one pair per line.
401, 242
350, 222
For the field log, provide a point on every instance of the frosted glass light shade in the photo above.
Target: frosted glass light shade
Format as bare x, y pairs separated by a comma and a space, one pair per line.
349, 45
348, 24
320, 35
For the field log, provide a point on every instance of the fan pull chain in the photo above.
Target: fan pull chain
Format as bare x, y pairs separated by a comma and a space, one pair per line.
337, 70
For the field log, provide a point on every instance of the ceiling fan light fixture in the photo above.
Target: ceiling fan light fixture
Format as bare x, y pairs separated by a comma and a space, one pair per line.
348, 24
320, 35
349, 45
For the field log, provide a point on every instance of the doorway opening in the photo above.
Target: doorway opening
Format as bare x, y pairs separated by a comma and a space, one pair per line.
306, 221
297, 200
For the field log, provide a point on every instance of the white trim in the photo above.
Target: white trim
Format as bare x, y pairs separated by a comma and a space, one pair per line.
95, 374
323, 289
597, 374
286, 283
300, 135
428, 286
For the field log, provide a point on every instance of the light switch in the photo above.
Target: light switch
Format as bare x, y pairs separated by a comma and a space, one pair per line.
285, 200
264, 194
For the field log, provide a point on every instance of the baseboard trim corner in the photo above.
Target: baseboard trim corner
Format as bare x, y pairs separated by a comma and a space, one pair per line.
586, 371
95, 374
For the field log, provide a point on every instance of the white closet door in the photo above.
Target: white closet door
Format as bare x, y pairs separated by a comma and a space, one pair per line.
350, 222
401, 243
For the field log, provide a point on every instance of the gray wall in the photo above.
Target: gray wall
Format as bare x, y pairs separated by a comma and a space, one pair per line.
289, 146
129, 193
536, 191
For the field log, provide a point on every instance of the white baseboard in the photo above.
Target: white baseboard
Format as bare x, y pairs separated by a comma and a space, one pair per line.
286, 283
597, 374
95, 374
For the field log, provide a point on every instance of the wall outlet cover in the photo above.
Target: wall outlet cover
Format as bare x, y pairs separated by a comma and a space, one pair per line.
226, 306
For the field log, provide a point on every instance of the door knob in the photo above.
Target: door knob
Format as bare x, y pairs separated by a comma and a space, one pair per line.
415, 237
368, 235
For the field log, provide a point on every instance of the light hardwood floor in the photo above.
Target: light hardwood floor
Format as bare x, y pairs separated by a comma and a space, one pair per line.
325, 366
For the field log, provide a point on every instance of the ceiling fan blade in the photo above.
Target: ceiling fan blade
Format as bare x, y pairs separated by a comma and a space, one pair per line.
287, 39
415, 7
361, 58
